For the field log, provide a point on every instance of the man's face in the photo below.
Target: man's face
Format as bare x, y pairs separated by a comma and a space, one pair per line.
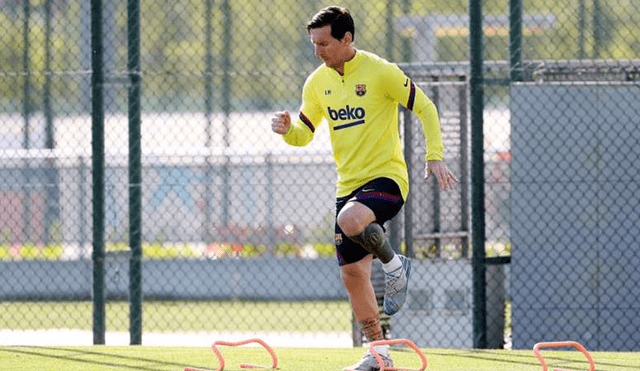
331, 50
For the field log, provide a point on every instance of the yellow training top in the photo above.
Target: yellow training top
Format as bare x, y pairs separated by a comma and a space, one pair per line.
361, 109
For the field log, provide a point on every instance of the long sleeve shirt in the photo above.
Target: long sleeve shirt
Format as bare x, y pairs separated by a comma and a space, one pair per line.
361, 109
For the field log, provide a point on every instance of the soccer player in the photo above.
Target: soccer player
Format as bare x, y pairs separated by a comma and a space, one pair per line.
357, 94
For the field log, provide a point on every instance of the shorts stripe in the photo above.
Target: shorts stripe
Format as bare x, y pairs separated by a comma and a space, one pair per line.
378, 195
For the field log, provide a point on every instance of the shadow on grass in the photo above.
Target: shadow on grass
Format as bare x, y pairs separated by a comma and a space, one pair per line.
524, 359
111, 359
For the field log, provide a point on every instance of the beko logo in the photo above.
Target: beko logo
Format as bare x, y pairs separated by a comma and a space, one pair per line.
347, 113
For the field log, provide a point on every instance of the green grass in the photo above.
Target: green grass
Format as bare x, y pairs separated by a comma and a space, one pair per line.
169, 316
107, 358
172, 316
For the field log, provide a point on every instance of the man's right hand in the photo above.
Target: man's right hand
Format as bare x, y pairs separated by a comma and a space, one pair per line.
281, 122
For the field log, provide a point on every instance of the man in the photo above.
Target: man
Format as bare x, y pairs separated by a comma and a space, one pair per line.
357, 94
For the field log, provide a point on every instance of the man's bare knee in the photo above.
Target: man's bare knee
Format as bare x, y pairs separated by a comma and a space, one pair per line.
354, 217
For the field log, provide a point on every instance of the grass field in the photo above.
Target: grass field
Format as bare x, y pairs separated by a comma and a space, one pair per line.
232, 315
106, 358
171, 316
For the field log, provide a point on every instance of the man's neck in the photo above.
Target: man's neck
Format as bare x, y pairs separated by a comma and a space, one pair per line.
350, 56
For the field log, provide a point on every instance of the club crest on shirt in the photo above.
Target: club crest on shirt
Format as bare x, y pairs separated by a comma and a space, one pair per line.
361, 89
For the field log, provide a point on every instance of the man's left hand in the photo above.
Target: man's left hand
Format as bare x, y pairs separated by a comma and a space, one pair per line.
445, 178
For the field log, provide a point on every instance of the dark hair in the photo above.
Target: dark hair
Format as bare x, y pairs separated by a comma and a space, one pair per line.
338, 18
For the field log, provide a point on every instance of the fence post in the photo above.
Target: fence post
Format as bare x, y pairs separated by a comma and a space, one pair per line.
597, 29
408, 139
26, 115
207, 234
135, 173
582, 26
477, 175
408, 207
97, 156
226, 108
52, 192
26, 104
464, 165
515, 40
46, 98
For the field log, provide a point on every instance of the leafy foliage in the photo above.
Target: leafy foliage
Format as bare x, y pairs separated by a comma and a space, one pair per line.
258, 54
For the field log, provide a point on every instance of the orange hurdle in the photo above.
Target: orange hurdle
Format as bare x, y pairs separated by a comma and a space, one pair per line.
561, 344
218, 354
406, 342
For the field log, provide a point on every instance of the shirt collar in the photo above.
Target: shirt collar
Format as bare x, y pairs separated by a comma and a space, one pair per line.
353, 64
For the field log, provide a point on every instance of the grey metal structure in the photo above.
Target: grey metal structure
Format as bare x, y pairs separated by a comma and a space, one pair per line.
575, 206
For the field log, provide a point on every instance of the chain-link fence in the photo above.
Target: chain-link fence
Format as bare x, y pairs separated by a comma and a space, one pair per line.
575, 205
236, 230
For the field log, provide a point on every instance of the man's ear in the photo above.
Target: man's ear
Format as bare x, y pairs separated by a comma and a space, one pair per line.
347, 38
